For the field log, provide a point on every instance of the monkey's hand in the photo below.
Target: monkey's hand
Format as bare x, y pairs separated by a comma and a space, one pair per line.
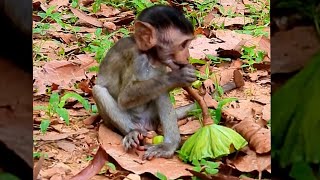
133, 139
164, 150
183, 77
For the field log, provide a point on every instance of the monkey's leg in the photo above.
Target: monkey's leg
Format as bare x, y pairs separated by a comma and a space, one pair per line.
182, 111
109, 110
168, 120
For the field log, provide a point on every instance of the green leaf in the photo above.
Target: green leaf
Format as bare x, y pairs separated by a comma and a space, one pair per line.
50, 10
44, 125
207, 71
197, 84
36, 108
42, 15
54, 100
75, 3
96, 6
98, 32
172, 99
196, 61
94, 69
213, 165
197, 168
111, 166
36, 154
8, 176
302, 171
220, 105
94, 108
76, 96
62, 112
211, 171
161, 176
211, 141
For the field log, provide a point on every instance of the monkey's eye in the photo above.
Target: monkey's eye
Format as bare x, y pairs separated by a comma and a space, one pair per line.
184, 44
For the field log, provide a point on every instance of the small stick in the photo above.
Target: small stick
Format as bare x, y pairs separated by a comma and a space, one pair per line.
207, 120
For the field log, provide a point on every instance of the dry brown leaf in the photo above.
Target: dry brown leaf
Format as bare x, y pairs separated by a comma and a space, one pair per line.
232, 6
59, 3
208, 85
67, 38
254, 76
58, 169
210, 101
243, 110
190, 127
236, 64
226, 39
133, 177
111, 143
252, 162
225, 76
262, 98
62, 73
85, 2
57, 177
87, 30
53, 136
66, 145
94, 167
122, 18
48, 173
85, 86
38, 167
84, 17
15, 112
47, 46
266, 112
107, 11
259, 138
110, 25
207, 20
227, 21
238, 79
301, 44
91, 119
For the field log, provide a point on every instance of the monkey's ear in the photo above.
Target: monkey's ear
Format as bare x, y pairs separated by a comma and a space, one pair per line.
145, 35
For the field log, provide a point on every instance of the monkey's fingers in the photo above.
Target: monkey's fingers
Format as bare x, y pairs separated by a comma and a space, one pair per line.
141, 148
140, 137
129, 143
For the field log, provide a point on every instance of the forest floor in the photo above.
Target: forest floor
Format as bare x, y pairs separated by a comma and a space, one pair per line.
70, 38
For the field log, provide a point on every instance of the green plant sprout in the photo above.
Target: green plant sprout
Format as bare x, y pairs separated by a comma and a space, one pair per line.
56, 106
251, 57
101, 43
205, 167
217, 60
161, 176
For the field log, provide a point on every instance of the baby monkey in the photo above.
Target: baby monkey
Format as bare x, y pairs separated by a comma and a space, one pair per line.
133, 84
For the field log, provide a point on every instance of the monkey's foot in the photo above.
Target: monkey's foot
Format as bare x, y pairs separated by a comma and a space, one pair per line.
164, 150
133, 139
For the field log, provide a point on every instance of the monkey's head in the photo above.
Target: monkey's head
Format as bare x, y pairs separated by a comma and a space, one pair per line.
166, 32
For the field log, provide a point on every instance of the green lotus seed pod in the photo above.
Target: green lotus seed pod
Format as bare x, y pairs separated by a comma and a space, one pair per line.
157, 139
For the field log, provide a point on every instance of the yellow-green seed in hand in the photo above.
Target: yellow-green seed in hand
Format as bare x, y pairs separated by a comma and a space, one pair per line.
157, 139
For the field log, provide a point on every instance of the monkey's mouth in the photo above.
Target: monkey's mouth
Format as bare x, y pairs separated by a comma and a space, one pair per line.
174, 64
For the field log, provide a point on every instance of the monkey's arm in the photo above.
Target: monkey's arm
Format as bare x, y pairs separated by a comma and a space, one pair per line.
137, 93
168, 120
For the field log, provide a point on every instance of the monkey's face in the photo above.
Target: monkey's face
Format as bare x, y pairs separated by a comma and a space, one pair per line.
173, 46
167, 45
